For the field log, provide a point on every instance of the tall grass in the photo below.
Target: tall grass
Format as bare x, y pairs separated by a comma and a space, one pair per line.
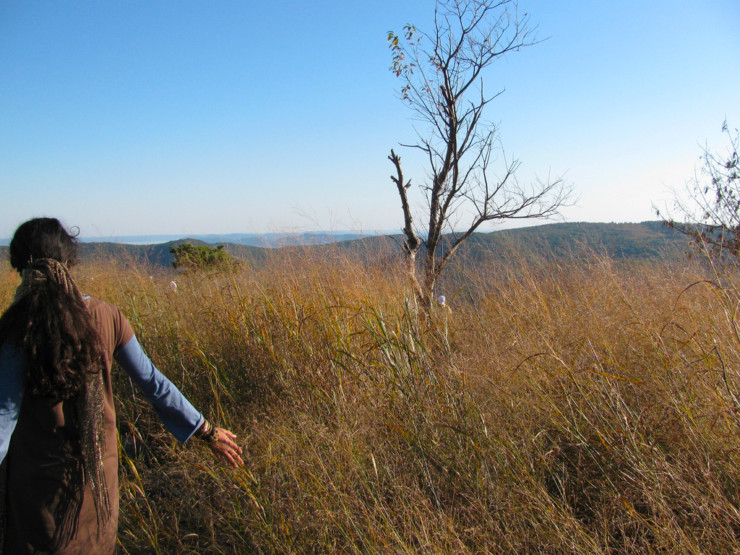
588, 406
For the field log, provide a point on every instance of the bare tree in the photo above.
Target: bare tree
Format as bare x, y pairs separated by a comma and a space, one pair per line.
442, 72
709, 208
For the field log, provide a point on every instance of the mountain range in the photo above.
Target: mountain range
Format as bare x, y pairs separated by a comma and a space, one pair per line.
643, 240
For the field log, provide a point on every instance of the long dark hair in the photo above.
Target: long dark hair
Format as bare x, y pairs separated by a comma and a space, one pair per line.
47, 321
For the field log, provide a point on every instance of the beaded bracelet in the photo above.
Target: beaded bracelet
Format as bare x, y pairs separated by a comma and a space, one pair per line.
207, 432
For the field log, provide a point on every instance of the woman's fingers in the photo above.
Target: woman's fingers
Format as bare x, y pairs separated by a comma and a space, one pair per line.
225, 447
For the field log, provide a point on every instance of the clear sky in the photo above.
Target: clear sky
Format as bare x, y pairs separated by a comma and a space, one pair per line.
184, 117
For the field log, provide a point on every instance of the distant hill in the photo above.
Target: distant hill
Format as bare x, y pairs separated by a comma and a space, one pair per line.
617, 240
159, 254
272, 240
154, 255
266, 240
644, 240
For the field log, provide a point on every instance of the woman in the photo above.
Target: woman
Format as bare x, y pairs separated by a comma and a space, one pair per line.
57, 421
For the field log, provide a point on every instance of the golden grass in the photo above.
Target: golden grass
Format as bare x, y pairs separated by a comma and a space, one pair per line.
587, 407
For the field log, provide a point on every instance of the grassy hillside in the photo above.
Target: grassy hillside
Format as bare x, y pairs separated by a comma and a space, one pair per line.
583, 405
647, 240
620, 241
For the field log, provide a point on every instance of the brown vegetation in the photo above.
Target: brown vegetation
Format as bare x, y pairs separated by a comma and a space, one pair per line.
587, 407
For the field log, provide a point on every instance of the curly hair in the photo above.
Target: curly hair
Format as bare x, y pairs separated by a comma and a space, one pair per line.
47, 321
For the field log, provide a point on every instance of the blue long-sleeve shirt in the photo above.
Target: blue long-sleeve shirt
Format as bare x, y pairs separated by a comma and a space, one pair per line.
177, 413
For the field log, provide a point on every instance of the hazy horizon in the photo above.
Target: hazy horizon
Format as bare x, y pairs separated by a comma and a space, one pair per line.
155, 239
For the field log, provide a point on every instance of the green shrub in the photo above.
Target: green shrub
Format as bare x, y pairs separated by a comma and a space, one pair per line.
190, 257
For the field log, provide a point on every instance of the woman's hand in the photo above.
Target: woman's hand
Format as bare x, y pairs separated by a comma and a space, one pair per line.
224, 447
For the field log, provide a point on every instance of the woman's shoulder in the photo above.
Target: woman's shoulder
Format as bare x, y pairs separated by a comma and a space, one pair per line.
97, 305
103, 311
110, 321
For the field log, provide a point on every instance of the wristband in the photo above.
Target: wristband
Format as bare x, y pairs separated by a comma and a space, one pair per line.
206, 432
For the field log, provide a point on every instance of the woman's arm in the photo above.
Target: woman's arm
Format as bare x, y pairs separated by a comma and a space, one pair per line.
12, 375
177, 413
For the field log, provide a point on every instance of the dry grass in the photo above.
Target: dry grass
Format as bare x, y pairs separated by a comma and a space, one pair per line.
587, 407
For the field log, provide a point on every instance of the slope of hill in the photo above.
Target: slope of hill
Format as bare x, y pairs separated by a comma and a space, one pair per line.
153, 255
620, 241
159, 254
644, 240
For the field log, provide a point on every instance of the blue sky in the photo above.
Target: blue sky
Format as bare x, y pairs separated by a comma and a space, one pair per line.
183, 117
